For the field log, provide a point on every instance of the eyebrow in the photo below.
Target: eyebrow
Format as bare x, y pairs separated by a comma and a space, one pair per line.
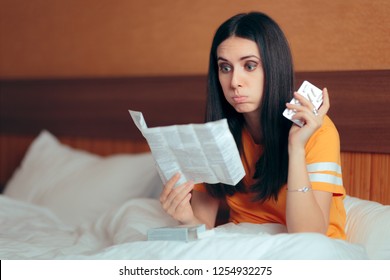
242, 58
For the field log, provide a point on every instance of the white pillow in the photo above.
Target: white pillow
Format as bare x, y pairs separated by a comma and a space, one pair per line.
368, 224
79, 186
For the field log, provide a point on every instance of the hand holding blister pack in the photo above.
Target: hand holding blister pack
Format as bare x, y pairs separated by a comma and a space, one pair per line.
311, 93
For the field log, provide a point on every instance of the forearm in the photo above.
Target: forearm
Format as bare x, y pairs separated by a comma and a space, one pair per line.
205, 209
196, 221
303, 213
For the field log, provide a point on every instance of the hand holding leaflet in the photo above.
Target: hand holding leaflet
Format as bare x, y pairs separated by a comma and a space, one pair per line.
202, 153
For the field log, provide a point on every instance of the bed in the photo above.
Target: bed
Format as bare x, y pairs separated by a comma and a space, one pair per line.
78, 180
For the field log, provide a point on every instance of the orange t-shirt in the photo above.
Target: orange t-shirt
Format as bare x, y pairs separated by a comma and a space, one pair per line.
323, 165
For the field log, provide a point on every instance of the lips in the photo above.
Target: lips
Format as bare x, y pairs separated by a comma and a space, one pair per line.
239, 99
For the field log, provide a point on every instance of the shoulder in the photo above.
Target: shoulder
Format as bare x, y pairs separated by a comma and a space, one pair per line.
327, 132
324, 143
327, 126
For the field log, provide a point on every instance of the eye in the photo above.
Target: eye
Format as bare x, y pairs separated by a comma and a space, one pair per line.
251, 66
225, 68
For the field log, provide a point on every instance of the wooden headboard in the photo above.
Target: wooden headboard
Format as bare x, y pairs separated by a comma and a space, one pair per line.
92, 114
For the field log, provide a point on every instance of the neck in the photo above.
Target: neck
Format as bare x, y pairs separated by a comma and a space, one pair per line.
252, 123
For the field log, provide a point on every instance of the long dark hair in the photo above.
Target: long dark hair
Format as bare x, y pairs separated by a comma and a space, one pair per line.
272, 167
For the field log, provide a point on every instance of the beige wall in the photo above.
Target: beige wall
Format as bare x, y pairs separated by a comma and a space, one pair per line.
92, 38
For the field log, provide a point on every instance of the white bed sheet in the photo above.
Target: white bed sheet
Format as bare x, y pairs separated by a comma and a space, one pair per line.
63, 203
32, 232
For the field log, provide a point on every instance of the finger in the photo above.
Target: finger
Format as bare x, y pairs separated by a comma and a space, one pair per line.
176, 195
173, 203
169, 186
302, 105
305, 102
184, 202
325, 103
294, 107
304, 116
184, 210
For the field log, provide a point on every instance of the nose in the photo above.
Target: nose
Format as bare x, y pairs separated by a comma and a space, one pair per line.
236, 80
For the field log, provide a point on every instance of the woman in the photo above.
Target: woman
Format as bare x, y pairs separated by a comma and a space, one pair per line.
293, 173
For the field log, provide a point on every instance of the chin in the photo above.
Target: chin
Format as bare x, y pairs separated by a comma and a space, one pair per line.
244, 108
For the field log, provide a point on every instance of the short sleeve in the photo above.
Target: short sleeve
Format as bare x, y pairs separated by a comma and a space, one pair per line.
200, 187
323, 159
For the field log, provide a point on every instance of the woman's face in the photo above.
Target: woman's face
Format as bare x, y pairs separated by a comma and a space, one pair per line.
241, 73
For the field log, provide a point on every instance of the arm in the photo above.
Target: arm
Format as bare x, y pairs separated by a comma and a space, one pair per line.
305, 211
188, 207
205, 207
